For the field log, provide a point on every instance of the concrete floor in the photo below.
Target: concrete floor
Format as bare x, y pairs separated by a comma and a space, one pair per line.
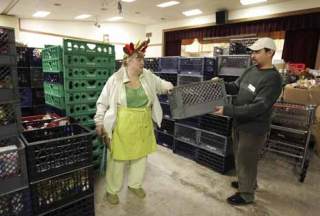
178, 186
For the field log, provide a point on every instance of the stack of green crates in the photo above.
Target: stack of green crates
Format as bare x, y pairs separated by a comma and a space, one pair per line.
84, 68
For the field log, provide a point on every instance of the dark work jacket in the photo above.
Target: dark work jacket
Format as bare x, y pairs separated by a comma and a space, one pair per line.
256, 91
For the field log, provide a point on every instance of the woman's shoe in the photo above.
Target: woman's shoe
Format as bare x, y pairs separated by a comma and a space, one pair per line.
112, 198
139, 192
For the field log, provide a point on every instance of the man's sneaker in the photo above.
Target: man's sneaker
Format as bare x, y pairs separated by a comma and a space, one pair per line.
139, 192
112, 198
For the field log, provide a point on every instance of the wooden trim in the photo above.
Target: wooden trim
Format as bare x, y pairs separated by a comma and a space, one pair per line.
284, 14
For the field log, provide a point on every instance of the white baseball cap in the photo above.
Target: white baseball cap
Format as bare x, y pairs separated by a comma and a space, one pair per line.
263, 43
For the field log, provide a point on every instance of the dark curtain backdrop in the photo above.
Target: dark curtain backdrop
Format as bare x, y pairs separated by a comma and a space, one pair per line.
290, 24
301, 46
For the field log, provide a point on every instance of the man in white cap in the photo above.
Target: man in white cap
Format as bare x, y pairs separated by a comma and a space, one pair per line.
256, 90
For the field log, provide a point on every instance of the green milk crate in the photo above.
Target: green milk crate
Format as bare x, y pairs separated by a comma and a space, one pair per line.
83, 85
82, 97
54, 89
80, 109
52, 52
87, 48
87, 73
55, 101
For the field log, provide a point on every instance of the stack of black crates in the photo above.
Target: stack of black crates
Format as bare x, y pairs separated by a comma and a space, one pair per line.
30, 80
60, 170
205, 139
14, 191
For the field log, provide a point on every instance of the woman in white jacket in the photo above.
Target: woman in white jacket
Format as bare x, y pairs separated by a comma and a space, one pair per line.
126, 109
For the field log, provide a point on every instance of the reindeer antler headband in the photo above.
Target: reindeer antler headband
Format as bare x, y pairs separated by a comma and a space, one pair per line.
129, 49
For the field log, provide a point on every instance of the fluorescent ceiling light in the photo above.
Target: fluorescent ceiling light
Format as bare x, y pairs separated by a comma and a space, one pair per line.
248, 2
168, 4
41, 14
192, 12
115, 18
128, 0
83, 16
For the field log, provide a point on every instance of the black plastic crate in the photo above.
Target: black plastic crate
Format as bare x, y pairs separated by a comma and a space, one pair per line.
163, 98
25, 97
166, 110
197, 66
37, 96
36, 77
8, 83
7, 49
185, 149
151, 64
24, 77
55, 192
35, 57
167, 126
215, 161
169, 64
9, 118
51, 151
23, 58
6, 59
16, 203
216, 123
164, 139
233, 65
194, 121
81, 207
186, 133
118, 64
13, 170
187, 79
171, 77
6, 35
219, 144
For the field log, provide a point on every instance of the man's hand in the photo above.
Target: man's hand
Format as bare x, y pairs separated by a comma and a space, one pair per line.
218, 110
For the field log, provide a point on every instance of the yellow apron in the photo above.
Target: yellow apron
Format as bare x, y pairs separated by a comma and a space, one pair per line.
133, 135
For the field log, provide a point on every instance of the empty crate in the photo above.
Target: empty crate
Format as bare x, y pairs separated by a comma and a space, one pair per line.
186, 133
205, 67
8, 82
233, 65
187, 79
16, 203
185, 149
196, 98
219, 144
169, 64
216, 123
9, 118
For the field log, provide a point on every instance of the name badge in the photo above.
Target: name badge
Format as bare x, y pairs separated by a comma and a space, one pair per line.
251, 88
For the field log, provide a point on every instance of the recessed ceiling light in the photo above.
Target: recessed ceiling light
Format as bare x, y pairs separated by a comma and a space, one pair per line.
83, 16
168, 4
192, 12
41, 14
248, 2
116, 18
128, 0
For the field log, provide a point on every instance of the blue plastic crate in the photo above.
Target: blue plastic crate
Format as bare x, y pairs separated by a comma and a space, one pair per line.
169, 64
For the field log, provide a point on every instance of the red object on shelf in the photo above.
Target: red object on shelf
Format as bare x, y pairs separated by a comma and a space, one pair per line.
43, 121
297, 68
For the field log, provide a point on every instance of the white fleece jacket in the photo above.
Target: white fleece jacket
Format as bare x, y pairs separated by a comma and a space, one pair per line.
113, 95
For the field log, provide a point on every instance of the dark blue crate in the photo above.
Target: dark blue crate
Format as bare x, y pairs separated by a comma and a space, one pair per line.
36, 77
169, 64
151, 64
167, 126
166, 110
171, 77
198, 66
216, 162
184, 79
24, 77
233, 65
194, 121
184, 149
16, 203
163, 98
216, 123
8, 83
23, 59
38, 97
25, 97
164, 139
217, 143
